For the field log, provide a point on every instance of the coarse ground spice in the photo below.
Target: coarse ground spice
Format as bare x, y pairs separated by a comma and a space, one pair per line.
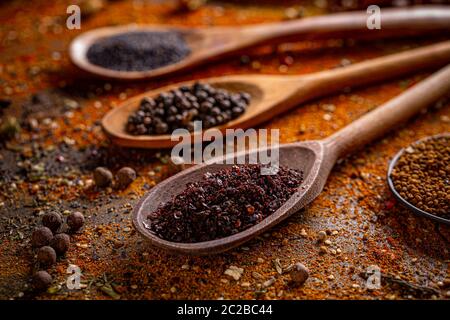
422, 175
356, 209
138, 51
179, 108
223, 203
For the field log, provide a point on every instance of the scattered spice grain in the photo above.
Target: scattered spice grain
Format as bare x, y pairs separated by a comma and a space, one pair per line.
322, 235
299, 274
234, 272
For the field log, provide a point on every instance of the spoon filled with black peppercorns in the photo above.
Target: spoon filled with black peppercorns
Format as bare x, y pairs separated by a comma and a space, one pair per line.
215, 206
419, 177
245, 101
149, 51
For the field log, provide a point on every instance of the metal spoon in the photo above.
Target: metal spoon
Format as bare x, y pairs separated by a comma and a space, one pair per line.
214, 42
403, 201
314, 158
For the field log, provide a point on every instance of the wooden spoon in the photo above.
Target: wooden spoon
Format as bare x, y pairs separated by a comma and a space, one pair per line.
273, 94
213, 42
314, 158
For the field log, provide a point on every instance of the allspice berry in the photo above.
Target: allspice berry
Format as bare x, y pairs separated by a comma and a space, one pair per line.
103, 177
42, 280
75, 221
41, 237
299, 274
60, 243
125, 176
52, 220
46, 256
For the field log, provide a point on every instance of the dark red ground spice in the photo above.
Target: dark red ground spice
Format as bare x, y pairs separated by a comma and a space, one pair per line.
223, 203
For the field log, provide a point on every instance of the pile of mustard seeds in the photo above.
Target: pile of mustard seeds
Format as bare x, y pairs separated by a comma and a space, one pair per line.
422, 175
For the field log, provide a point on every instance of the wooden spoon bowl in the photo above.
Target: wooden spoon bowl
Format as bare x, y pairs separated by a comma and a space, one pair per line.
211, 43
81, 44
273, 94
314, 158
305, 156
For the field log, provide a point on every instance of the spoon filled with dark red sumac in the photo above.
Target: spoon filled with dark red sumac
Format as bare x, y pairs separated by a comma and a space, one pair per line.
185, 213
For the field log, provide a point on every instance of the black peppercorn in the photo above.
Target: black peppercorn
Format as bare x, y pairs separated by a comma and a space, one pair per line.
102, 177
138, 51
52, 220
41, 237
60, 243
75, 221
46, 256
42, 280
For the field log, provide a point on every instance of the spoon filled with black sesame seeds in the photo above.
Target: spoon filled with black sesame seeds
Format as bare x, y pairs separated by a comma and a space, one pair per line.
419, 177
218, 205
148, 51
245, 101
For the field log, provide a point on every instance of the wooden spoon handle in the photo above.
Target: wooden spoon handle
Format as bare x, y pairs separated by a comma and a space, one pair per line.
391, 114
393, 21
373, 70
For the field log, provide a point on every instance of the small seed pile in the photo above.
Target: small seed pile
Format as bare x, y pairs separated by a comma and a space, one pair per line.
138, 51
51, 244
179, 108
223, 203
422, 175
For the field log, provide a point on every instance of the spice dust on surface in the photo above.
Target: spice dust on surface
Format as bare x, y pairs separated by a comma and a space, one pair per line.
50, 116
